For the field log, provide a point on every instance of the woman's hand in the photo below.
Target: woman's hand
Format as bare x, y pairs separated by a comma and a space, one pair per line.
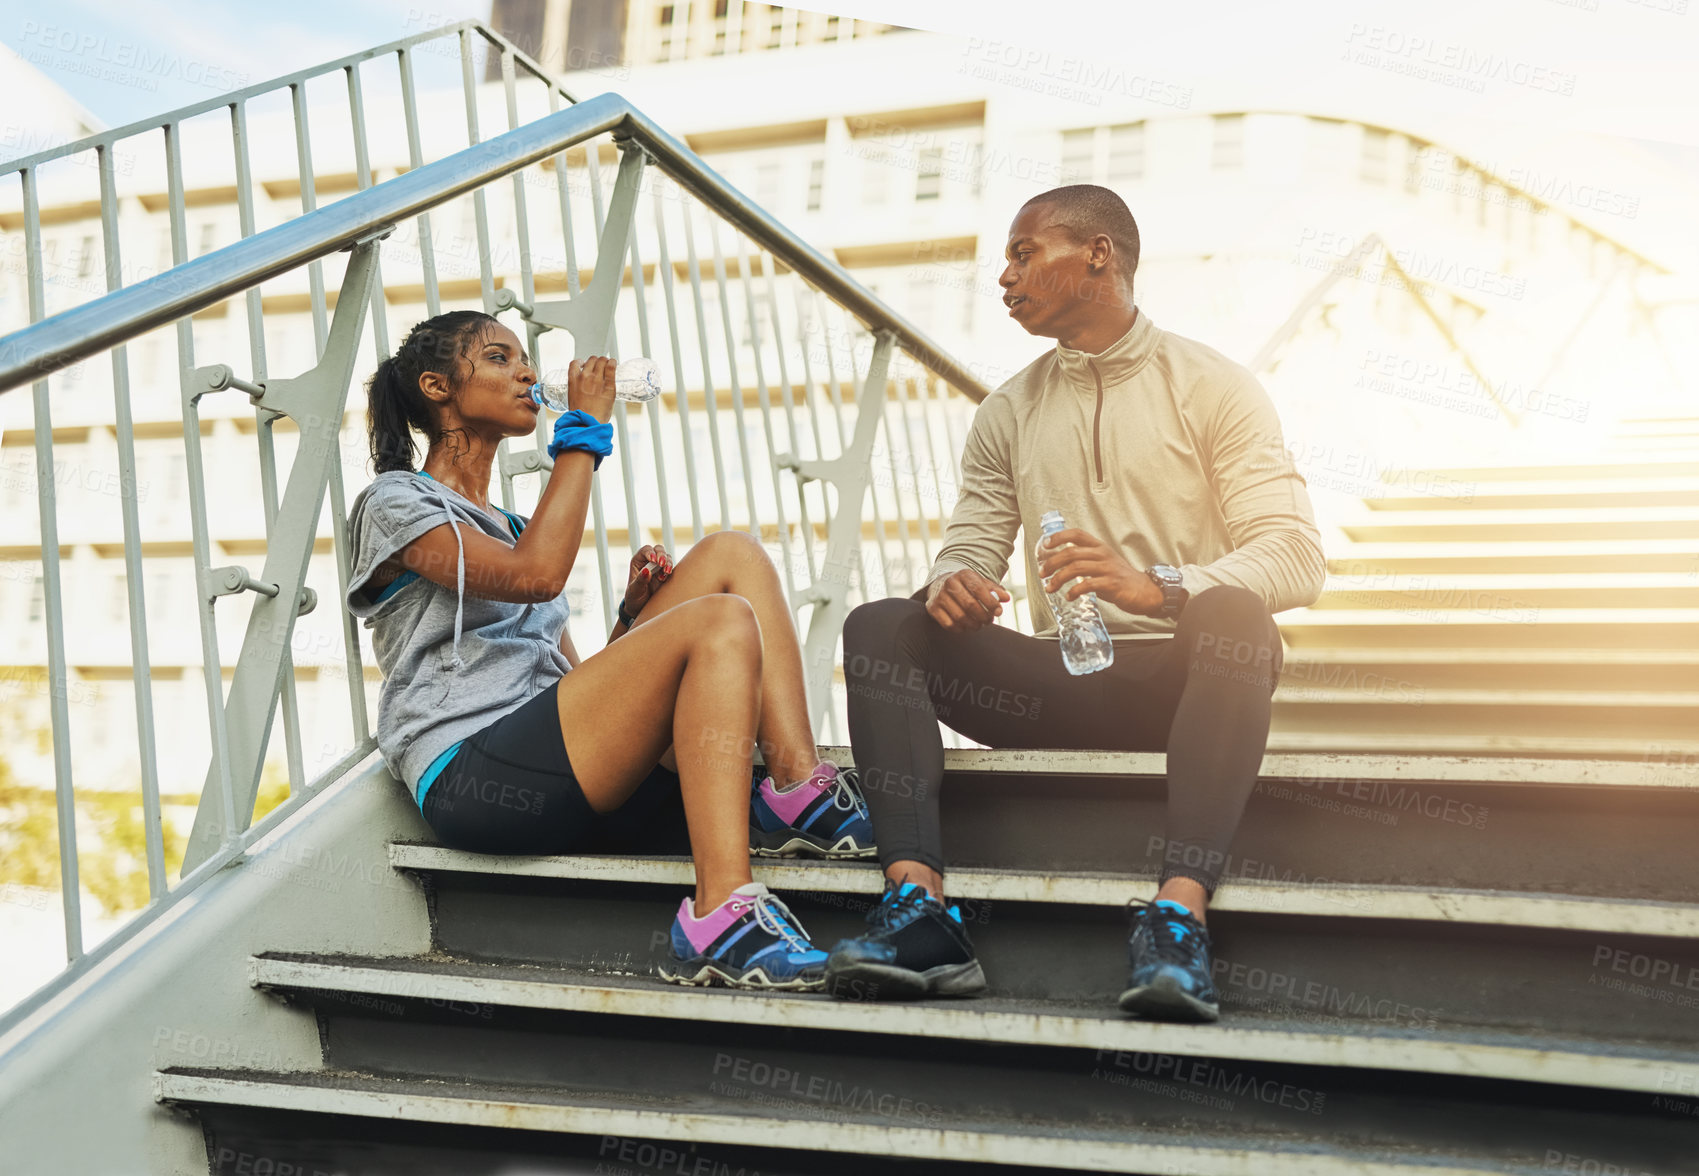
650, 568
590, 386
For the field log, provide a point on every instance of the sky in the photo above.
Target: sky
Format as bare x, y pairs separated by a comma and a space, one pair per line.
1617, 67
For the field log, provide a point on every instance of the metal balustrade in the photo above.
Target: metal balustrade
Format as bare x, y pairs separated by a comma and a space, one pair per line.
803, 409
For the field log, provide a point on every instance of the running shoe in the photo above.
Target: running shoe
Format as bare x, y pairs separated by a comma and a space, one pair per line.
824, 816
1169, 952
913, 947
749, 941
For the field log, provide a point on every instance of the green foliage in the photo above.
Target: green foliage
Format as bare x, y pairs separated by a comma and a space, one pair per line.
111, 838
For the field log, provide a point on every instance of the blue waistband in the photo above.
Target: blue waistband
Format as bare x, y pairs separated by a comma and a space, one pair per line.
430, 774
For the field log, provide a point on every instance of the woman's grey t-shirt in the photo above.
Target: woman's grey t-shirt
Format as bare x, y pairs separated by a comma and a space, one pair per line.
507, 652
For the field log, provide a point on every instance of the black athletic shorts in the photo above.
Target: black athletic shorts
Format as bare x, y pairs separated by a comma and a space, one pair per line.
510, 789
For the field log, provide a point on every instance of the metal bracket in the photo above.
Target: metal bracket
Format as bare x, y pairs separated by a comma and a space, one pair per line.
526, 461
849, 474
227, 581
589, 317
316, 401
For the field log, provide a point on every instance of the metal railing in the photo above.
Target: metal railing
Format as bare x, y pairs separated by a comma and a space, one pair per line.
804, 409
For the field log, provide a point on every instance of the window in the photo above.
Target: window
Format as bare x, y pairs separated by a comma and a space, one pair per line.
1415, 154
816, 184
176, 477
721, 8
119, 598
209, 233
664, 38
776, 27
875, 174
37, 599
1375, 147
1126, 153
1079, 155
767, 187
922, 299
1228, 153
929, 181
759, 329
85, 258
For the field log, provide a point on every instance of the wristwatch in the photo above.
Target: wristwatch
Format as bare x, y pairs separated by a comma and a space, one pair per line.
1173, 595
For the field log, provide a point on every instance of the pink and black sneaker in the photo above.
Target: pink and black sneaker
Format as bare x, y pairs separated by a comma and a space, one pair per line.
823, 816
749, 941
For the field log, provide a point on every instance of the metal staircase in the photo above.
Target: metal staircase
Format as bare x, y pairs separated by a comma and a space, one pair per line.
1424, 965
1457, 935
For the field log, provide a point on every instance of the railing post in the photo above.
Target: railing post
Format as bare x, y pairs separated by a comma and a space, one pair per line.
589, 317
315, 401
848, 474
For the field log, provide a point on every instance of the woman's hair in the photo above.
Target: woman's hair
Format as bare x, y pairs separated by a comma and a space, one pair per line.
395, 406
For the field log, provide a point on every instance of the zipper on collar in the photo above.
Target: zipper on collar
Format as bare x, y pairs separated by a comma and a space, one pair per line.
1097, 423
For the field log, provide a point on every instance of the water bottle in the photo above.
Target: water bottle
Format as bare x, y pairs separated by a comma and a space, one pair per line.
636, 380
1086, 647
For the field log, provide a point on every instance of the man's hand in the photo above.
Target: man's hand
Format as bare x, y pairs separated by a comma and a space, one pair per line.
1095, 567
964, 601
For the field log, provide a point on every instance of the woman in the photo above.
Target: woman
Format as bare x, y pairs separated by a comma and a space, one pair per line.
642, 747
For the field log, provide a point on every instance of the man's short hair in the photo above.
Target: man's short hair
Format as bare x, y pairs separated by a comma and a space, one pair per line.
1085, 210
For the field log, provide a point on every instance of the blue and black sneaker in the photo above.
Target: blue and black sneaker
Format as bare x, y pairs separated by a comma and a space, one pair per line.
823, 816
749, 941
913, 947
1169, 950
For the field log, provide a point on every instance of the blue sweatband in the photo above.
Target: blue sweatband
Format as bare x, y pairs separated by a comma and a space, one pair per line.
579, 430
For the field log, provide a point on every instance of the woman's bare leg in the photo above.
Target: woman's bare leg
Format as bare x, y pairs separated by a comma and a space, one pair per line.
735, 562
691, 680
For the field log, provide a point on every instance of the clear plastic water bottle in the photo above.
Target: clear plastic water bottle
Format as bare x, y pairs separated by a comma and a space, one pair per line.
1086, 647
634, 379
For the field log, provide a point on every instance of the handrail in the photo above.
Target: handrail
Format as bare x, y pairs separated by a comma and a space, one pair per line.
108, 137
99, 325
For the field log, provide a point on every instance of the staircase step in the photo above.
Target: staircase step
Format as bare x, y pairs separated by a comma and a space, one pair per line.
1546, 628
1415, 670
1351, 960
1352, 741
1506, 595
1493, 908
1533, 772
1544, 494
1466, 697
1557, 472
1243, 1036
1135, 1129
1518, 555
1469, 822
1639, 522
1647, 716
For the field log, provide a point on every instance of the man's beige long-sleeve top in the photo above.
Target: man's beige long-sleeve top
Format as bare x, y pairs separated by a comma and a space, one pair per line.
1163, 448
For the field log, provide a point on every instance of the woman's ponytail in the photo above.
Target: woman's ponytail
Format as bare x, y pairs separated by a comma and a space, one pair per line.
395, 404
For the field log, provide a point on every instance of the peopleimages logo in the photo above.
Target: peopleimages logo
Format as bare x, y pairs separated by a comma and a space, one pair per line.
98, 55
1449, 63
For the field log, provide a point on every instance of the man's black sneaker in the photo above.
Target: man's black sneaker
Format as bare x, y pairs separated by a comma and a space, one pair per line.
913, 947
1169, 950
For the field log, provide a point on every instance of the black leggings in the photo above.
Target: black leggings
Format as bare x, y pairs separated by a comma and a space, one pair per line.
511, 789
1203, 696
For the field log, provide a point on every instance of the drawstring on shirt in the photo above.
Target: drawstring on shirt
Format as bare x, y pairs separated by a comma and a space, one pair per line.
459, 568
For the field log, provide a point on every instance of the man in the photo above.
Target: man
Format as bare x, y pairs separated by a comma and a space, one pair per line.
1187, 520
